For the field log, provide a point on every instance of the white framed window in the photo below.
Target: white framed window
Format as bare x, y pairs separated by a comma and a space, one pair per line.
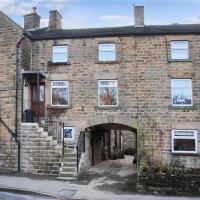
107, 52
179, 50
59, 93
181, 91
184, 141
60, 54
69, 133
108, 93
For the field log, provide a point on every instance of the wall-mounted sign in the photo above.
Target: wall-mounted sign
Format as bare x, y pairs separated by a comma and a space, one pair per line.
69, 133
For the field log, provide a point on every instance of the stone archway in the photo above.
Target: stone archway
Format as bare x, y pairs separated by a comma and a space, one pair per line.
103, 126
121, 171
126, 121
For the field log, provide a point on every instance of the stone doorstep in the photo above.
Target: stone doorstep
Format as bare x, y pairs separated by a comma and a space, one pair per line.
67, 169
70, 155
67, 174
69, 159
66, 178
68, 164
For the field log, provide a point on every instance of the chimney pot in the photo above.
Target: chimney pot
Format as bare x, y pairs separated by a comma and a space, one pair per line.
34, 10
139, 16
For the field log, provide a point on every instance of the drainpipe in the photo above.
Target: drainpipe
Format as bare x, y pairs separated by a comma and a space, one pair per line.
16, 100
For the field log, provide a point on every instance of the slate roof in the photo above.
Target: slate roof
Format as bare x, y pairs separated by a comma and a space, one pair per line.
45, 34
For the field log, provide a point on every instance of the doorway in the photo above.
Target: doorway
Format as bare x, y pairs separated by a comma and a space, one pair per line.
38, 105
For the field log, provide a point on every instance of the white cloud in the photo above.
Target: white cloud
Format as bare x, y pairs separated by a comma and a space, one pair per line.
194, 19
21, 7
44, 22
51, 4
114, 17
10, 7
66, 24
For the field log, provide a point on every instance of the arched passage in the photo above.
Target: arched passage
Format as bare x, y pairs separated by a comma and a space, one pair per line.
108, 141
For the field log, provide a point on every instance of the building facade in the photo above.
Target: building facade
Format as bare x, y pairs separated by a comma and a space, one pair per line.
92, 86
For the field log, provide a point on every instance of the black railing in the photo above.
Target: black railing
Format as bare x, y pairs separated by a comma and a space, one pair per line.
80, 147
63, 140
54, 127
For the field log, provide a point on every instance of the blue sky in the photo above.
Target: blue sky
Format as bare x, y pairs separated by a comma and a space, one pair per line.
104, 13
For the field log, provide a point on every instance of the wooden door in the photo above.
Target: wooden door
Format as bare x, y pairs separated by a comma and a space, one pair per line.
34, 99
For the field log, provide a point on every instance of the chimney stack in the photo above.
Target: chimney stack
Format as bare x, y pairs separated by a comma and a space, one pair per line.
139, 16
32, 21
55, 20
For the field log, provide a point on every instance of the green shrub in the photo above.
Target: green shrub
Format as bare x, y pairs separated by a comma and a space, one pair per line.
154, 166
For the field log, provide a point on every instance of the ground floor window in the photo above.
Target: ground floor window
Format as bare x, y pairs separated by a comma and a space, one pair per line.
59, 93
108, 93
184, 141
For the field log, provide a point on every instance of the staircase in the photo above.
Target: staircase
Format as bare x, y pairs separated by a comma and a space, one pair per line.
68, 168
40, 153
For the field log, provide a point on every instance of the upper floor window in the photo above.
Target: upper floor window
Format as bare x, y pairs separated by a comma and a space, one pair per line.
59, 93
107, 52
179, 50
60, 54
181, 90
184, 141
108, 93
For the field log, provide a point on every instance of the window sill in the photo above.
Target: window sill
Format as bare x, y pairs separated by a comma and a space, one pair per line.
107, 62
185, 108
185, 154
59, 107
107, 107
179, 60
50, 63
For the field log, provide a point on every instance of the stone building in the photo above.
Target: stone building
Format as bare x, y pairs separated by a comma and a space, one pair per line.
91, 87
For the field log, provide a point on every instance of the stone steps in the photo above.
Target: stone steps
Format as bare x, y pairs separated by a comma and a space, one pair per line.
46, 154
67, 175
69, 159
69, 164
70, 155
40, 152
68, 168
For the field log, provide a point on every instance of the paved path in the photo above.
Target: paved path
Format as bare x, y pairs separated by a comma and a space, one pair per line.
110, 180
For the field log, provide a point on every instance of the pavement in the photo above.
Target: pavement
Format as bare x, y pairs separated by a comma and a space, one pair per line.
106, 181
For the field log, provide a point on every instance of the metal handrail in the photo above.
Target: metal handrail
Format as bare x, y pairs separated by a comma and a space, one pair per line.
56, 128
9, 129
63, 141
80, 147
53, 127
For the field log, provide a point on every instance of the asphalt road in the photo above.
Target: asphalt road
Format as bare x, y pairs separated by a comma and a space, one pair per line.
12, 196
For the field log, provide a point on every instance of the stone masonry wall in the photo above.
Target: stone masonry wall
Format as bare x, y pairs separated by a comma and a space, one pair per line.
186, 184
143, 70
10, 33
128, 140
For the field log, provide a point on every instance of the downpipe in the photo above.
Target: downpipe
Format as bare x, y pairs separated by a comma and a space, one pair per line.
16, 102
